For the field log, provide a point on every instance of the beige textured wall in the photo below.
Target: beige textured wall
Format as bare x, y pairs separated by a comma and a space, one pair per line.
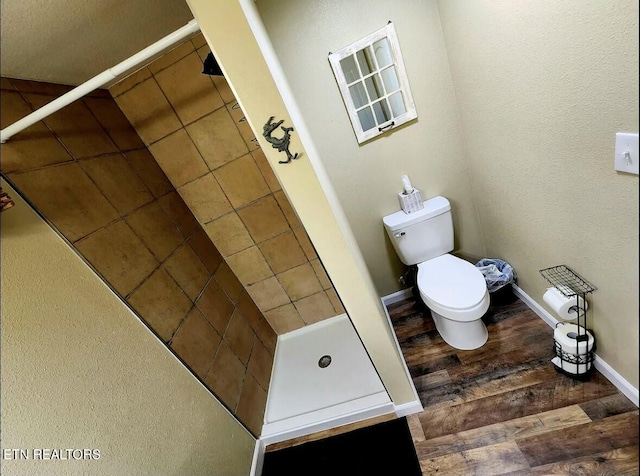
37, 36
543, 86
367, 177
80, 371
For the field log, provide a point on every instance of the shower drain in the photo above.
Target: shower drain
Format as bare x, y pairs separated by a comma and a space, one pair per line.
324, 361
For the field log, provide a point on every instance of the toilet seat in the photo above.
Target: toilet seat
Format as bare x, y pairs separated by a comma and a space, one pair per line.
453, 287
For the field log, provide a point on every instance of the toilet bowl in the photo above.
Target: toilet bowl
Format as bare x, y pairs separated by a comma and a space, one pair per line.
453, 289
456, 293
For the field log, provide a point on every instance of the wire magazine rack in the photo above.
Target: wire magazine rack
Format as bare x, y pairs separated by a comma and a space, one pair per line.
578, 365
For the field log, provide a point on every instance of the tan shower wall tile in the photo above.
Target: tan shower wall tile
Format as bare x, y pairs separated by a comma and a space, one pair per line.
284, 319
229, 234
267, 336
247, 135
321, 274
238, 116
198, 41
114, 122
223, 88
217, 138
5, 83
287, 209
264, 219
335, 301
196, 342
249, 266
191, 93
257, 321
205, 198
205, 249
187, 270
118, 182
283, 252
76, 127
252, 404
228, 282
149, 171
215, 306
148, 111
66, 196
172, 56
300, 282
260, 364
155, 230
118, 255
250, 310
179, 158
305, 243
236, 112
267, 171
242, 181
315, 308
32, 148
161, 303
130, 81
179, 213
240, 337
225, 376
40, 87
268, 294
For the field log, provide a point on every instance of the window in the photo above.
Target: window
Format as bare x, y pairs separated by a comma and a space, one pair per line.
374, 85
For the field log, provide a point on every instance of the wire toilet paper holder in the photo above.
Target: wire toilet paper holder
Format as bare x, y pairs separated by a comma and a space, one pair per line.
570, 284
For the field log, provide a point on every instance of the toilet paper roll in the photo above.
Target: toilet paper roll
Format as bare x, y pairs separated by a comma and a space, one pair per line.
562, 305
575, 369
565, 335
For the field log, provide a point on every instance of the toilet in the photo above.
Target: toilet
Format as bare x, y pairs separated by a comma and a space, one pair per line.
453, 289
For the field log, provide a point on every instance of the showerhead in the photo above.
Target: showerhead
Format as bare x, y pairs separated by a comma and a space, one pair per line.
211, 66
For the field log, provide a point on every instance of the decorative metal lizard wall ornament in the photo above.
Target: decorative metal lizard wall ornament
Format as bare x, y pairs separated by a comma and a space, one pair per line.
279, 143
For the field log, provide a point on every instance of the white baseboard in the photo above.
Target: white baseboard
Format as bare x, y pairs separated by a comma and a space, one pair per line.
603, 367
396, 297
414, 406
258, 458
409, 408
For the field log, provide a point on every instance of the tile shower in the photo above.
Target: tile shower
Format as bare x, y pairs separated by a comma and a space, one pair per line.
160, 184
87, 171
196, 131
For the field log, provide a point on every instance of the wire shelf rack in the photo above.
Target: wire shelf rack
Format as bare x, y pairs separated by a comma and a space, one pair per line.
578, 364
567, 281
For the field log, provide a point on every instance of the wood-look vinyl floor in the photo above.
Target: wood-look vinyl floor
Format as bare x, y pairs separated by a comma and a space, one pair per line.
503, 409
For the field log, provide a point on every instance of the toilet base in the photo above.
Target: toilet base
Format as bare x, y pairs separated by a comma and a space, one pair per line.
461, 335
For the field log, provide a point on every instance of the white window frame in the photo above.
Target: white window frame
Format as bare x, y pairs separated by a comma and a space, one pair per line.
380, 127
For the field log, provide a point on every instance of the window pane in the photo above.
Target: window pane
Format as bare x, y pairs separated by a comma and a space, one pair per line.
358, 95
390, 79
383, 52
374, 87
350, 69
382, 111
397, 104
366, 119
365, 60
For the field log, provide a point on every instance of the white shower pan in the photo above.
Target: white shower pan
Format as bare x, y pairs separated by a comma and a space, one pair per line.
305, 397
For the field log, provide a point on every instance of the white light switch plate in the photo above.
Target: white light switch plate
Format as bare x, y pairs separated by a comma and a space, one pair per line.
627, 153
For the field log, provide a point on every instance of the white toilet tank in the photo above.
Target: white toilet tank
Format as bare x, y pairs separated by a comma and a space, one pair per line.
421, 235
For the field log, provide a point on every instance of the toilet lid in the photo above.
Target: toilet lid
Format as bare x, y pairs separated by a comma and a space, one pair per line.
451, 282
